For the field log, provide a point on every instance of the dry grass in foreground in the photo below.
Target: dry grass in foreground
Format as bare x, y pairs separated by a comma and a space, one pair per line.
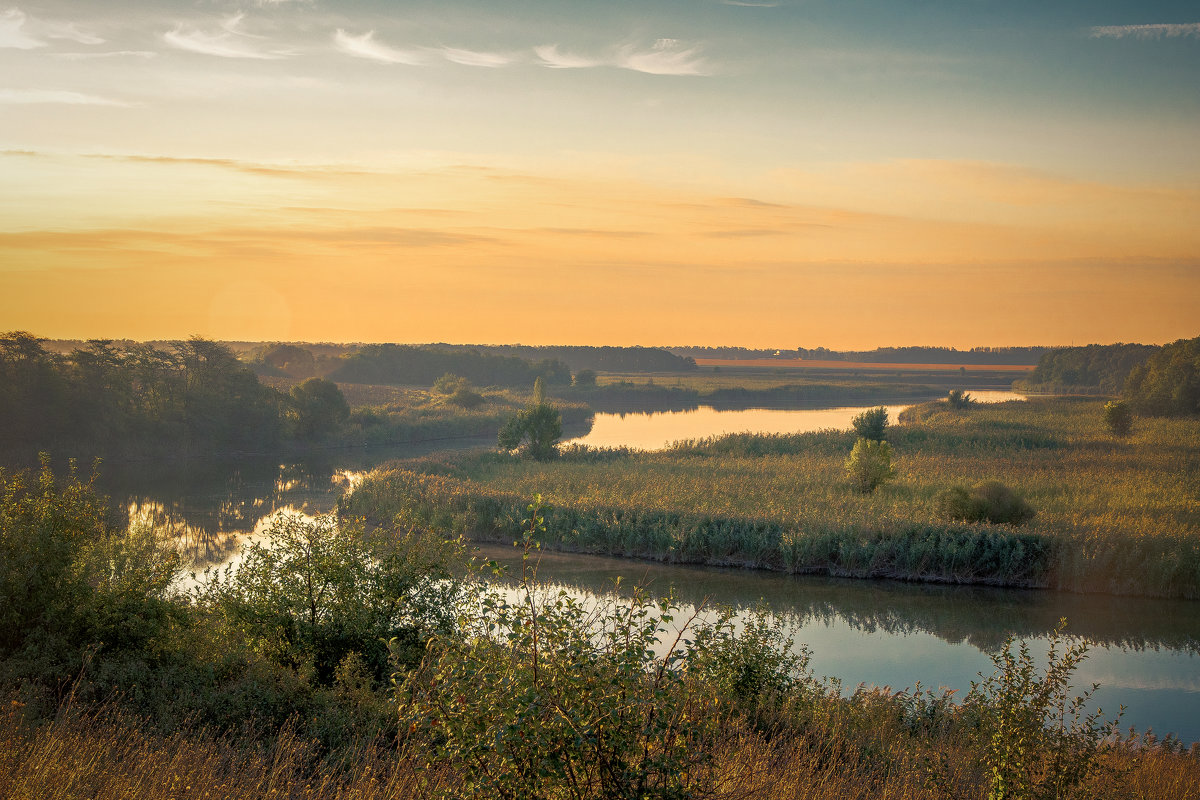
106, 755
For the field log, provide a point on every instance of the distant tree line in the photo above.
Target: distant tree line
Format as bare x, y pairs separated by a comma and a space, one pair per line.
192, 396
422, 365
1156, 381
1168, 382
880, 355
1101, 366
603, 359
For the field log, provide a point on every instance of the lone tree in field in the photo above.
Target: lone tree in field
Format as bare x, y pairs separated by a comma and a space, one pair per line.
959, 400
870, 465
538, 426
872, 424
1118, 417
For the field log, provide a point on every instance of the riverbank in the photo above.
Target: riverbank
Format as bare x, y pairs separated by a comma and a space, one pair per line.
1113, 516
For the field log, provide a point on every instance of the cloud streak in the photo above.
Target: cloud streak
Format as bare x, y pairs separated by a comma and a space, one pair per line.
12, 34
665, 57
56, 96
1156, 31
231, 42
365, 46
107, 54
474, 58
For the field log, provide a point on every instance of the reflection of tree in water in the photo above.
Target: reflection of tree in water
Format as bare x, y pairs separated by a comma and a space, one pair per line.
208, 504
980, 616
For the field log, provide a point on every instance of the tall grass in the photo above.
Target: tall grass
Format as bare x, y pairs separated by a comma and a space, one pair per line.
1118, 516
874, 744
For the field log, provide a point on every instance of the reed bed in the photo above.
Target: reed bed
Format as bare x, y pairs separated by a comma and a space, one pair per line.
1118, 516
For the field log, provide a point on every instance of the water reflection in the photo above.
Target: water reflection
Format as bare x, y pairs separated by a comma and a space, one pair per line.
654, 430
1146, 653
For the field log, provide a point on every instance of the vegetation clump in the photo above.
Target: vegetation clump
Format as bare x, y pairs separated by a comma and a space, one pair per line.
990, 501
959, 400
872, 424
1118, 418
537, 427
869, 465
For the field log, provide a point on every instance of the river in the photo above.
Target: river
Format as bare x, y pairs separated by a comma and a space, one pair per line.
1145, 653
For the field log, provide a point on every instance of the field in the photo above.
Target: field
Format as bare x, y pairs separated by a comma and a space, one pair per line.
1112, 515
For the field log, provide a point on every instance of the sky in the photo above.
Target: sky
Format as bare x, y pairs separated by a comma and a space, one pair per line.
764, 173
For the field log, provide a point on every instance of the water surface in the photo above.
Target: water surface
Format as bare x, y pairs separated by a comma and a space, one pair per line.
1145, 653
656, 430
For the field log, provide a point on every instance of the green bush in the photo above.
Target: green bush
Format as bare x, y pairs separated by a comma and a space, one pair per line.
314, 591
872, 424
540, 696
1037, 742
464, 397
959, 400
870, 465
990, 501
1118, 417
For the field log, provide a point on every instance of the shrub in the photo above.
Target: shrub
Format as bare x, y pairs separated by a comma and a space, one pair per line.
872, 424
990, 501
450, 383
315, 591
466, 398
1037, 742
538, 426
870, 465
585, 379
541, 696
1118, 417
959, 400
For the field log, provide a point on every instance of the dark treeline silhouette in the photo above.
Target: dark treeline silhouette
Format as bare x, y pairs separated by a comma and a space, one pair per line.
1168, 382
1100, 366
880, 355
195, 396
422, 365
604, 359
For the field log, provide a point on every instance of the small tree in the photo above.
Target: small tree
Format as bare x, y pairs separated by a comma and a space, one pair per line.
585, 379
318, 408
870, 465
872, 424
538, 425
1118, 417
959, 400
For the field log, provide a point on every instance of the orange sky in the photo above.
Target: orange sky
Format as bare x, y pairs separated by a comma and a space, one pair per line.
763, 174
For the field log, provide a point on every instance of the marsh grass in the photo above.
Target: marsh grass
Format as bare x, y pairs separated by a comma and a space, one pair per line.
1112, 516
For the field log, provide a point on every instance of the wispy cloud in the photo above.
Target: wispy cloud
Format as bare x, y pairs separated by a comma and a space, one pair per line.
552, 57
249, 167
474, 58
231, 42
746, 4
665, 57
12, 35
107, 54
1157, 31
68, 31
365, 46
56, 96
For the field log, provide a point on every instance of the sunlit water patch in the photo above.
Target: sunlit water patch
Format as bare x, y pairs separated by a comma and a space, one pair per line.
656, 430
